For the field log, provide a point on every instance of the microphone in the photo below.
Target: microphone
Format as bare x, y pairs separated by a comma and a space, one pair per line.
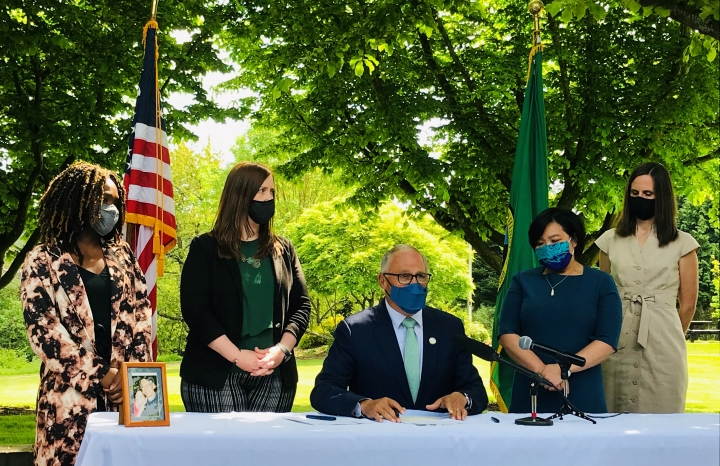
526, 343
486, 352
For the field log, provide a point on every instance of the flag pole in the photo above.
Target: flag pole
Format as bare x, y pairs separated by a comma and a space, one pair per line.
154, 8
535, 7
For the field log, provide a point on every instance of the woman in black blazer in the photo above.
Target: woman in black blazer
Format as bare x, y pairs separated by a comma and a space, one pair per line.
244, 299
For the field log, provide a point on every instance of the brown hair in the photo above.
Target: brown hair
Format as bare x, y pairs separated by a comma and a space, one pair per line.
72, 202
241, 186
665, 205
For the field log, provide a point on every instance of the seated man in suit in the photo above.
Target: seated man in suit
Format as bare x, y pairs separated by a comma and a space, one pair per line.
399, 354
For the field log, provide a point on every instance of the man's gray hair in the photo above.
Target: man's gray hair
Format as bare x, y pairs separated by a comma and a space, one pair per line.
385, 262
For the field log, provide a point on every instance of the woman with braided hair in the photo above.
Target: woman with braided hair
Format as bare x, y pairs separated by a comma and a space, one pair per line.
85, 305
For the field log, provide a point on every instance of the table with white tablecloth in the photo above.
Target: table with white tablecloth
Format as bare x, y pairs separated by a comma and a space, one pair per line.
291, 439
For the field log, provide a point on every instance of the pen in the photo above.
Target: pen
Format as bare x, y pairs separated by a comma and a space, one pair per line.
299, 421
320, 417
495, 420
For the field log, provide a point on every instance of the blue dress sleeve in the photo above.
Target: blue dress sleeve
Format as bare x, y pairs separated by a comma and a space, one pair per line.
510, 313
609, 313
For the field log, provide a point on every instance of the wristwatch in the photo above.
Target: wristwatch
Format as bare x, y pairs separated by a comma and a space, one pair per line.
468, 401
285, 350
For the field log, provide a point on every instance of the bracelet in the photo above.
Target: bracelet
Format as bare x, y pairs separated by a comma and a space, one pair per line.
285, 350
235, 360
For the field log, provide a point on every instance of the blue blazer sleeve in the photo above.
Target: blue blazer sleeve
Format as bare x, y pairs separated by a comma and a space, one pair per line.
330, 394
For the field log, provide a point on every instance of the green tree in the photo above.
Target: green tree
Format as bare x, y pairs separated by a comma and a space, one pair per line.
715, 300
68, 83
696, 221
197, 182
294, 194
700, 15
349, 86
340, 248
486, 284
13, 335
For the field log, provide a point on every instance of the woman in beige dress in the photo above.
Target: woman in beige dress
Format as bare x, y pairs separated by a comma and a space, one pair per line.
655, 267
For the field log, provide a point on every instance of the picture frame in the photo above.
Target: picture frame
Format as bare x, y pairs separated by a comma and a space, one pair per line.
145, 395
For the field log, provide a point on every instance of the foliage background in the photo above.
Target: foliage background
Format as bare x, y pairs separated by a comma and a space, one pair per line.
414, 103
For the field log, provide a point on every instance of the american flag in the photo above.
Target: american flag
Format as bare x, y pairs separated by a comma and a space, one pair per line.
150, 217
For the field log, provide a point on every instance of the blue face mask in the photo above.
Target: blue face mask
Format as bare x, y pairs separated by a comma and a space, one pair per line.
410, 298
554, 256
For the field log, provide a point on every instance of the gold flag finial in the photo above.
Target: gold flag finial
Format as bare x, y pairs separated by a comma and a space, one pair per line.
535, 7
154, 8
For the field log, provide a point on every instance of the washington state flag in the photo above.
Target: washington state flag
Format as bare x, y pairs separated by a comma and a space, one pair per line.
528, 197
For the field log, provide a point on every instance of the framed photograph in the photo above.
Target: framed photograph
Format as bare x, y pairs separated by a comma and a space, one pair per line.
145, 395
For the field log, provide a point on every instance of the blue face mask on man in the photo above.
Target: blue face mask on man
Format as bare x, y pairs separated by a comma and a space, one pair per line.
410, 298
554, 256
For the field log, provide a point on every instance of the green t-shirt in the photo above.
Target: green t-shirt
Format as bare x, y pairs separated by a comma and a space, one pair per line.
258, 298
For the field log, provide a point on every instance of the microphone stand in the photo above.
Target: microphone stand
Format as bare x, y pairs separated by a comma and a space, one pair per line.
533, 420
567, 408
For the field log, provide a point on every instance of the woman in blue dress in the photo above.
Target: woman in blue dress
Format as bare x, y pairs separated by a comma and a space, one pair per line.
565, 305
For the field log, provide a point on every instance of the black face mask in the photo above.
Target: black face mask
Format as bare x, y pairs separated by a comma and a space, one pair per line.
642, 208
262, 211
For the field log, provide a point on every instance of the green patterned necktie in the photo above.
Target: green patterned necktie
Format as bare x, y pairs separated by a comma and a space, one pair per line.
412, 357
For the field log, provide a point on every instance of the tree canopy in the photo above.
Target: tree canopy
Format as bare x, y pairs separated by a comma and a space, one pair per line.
700, 15
68, 80
340, 251
420, 100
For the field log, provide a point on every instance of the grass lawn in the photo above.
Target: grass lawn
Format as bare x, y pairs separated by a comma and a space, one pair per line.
19, 390
704, 377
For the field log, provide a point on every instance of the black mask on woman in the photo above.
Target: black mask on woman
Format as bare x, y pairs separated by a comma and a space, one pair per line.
642, 208
262, 211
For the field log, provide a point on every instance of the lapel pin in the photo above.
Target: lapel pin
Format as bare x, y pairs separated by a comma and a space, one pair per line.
432, 341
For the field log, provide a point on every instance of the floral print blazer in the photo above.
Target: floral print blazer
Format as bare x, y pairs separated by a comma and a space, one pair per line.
60, 326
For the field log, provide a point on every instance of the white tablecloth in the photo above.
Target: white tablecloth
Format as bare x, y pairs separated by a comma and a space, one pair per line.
293, 440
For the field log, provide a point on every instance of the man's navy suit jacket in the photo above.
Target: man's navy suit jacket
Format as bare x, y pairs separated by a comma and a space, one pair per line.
365, 362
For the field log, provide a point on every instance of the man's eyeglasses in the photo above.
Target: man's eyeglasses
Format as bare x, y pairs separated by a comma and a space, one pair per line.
407, 278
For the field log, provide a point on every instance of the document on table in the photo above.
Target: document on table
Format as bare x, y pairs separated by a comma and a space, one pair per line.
339, 420
425, 418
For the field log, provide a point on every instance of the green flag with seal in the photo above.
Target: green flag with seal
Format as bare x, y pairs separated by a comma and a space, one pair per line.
528, 197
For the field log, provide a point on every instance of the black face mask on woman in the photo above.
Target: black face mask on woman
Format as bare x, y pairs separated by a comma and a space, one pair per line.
642, 208
262, 211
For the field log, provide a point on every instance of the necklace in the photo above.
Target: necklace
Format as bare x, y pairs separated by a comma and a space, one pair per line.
552, 288
250, 260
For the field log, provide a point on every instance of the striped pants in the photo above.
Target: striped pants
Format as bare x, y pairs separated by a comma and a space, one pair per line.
242, 392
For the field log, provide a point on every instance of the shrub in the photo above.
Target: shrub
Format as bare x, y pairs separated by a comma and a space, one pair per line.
477, 331
312, 339
10, 359
13, 334
485, 314
320, 335
169, 357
